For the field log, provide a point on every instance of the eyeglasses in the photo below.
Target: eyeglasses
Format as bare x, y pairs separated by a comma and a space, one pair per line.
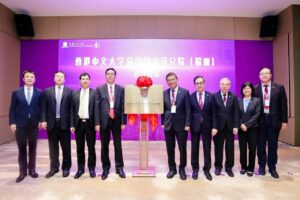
171, 79
199, 83
265, 73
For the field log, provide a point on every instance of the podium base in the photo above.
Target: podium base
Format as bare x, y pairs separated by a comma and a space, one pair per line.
150, 172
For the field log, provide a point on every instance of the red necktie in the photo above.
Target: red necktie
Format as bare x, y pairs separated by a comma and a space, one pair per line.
173, 97
224, 99
111, 110
200, 101
266, 96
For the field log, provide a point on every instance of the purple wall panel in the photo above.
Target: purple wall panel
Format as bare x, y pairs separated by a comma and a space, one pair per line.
250, 57
42, 57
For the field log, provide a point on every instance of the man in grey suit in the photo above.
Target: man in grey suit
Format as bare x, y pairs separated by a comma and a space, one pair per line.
176, 122
83, 124
24, 120
109, 118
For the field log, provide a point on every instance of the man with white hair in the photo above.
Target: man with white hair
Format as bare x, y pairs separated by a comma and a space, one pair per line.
225, 126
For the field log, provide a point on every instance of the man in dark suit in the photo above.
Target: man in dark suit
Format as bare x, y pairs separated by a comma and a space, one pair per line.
83, 124
24, 120
225, 126
109, 118
176, 123
273, 119
56, 117
201, 124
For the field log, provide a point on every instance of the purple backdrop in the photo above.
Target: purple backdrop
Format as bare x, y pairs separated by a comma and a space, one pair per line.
250, 57
243, 60
131, 58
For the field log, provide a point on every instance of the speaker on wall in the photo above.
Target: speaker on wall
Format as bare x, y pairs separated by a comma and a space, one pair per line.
268, 27
24, 25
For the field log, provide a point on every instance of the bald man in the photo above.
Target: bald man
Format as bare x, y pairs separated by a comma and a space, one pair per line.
225, 126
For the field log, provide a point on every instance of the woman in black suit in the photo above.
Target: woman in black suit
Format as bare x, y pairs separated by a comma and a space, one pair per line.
250, 109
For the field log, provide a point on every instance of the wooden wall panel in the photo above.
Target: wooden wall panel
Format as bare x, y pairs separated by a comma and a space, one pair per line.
9, 69
148, 27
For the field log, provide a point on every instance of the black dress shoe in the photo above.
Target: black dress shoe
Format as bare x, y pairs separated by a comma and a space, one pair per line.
195, 175
182, 174
217, 171
208, 175
243, 171
171, 174
33, 173
274, 173
66, 173
51, 173
105, 174
229, 172
249, 173
21, 177
262, 171
78, 174
121, 173
92, 173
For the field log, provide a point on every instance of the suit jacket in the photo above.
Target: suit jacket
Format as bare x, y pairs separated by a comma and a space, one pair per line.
75, 103
251, 117
20, 110
102, 106
197, 113
228, 114
278, 104
182, 117
49, 108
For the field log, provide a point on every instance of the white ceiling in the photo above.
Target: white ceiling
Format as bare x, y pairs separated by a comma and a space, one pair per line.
235, 8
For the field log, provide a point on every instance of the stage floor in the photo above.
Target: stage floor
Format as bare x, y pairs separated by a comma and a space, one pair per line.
140, 188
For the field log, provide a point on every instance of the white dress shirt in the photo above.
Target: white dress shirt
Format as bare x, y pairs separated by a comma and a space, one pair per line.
83, 111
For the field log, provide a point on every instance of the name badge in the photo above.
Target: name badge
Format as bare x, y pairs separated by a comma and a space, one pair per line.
267, 102
111, 104
173, 109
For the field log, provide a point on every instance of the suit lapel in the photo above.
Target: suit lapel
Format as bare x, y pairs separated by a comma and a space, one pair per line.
116, 95
63, 94
77, 97
229, 99
23, 95
168, 98
90, 100
178, 96
196, 100
53, 95
205, 100
273, 88
220, 98
260, 94
241, 104
106, 93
